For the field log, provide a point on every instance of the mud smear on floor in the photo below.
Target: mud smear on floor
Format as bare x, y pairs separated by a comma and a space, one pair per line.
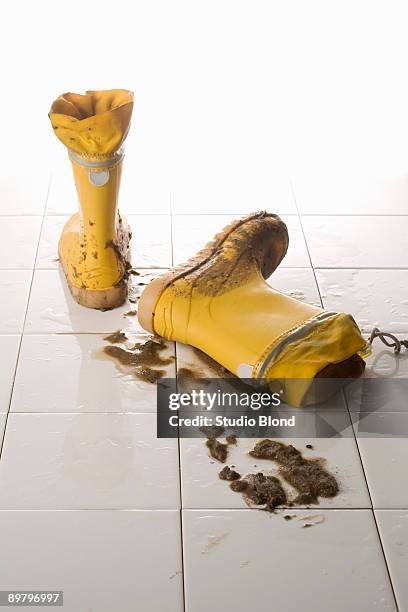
208, 368
307, 476
187, 379
118, 337
213, 541
212, 431
143, 359
216, 369
261, 490
186, 375
312, 520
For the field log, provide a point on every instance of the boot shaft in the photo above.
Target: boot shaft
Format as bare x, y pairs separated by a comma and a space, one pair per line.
97, 184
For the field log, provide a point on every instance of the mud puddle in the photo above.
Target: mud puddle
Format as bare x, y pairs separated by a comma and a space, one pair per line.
266, 491
142, 359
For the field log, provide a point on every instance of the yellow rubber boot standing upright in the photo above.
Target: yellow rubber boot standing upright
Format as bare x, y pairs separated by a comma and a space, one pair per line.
219, 302
94, 245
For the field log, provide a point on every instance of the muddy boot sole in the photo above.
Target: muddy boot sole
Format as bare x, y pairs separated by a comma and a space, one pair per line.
152, 293
106, 299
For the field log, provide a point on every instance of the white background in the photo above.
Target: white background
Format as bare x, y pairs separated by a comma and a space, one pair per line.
224, 90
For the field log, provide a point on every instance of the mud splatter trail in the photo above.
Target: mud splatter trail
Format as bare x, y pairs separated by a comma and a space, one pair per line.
117, 337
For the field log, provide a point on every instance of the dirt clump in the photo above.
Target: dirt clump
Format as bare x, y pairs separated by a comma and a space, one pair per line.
307, 476
261, 490
218, 450
228, 474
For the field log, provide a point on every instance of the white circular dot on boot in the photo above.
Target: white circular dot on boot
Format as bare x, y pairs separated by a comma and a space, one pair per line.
99, 179
244, 370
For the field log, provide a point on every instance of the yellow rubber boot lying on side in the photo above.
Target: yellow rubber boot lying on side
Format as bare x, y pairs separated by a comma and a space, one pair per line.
94, 245
219, 302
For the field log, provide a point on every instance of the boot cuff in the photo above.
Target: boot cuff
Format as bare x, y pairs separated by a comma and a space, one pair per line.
95, 124
302, 354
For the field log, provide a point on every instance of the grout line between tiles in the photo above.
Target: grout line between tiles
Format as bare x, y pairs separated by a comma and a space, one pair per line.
178, 436
178, 509
20, 215
282, 509
365, 331
78, 413
307, 245
385, 268
353, 215
24, 320
152, 509
231, 214
136, 267
372, 505
358, 449
206, 214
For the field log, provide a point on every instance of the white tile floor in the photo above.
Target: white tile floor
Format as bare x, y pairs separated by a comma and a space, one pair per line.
101, 557
239, 106
250, 558
80, 458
